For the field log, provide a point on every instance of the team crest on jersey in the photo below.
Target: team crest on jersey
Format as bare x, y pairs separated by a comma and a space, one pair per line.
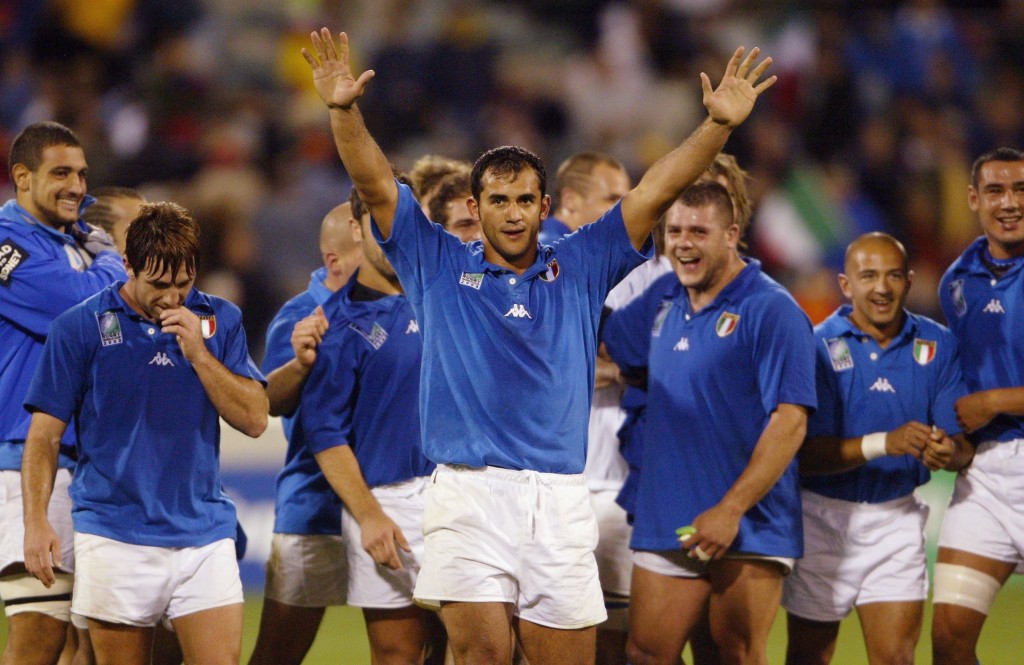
11, 256
472, 279
551, 274
956, 293
659, 320
839, 354
924, 351
208, 324
726, 324
376, 337
110, 328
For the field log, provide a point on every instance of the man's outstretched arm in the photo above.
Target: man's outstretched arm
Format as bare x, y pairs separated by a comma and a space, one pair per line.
363, 159
728, 105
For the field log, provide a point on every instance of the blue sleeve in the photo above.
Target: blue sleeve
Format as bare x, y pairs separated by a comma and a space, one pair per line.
61, 377
43, 284
950, 387
236, 350
279, 339
328, 398
627, 331
416, 247
784, 354
826, 420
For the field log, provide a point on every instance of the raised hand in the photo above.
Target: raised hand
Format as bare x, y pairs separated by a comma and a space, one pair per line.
332, 76
732, 101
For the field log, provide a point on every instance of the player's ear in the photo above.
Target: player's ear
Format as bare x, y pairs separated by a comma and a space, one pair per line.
474, 208
844, 285
21, 174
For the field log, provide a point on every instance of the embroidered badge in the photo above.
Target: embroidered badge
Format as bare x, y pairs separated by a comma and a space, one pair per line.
208, 324
659, 320
956, 293
839, 353
11, 256
924, 351
551, 274
472, 279
376, 337
110, 328
726, 324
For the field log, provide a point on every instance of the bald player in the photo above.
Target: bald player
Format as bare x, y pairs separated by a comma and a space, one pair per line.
307, 569
887, 381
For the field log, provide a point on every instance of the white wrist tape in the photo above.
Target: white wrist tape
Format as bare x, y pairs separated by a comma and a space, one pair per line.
872, 446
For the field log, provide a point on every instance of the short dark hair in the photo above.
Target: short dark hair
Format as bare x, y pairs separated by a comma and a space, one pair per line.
29, 145
163, 238
100, 213
708, 193
997, 155
359, 208
506, 160
453, 186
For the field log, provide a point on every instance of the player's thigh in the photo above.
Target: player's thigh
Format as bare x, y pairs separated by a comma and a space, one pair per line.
745, 597
543, 645
810, 642
397, 635
664, 608
479, 632
211, 637
891, 630
965, 586
32, 638
120, 644
286, 633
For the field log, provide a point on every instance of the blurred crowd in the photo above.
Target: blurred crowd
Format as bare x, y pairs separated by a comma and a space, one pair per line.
879, 111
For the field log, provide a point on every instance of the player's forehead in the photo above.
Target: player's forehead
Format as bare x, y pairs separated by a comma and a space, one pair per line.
875, 255
1000, 173
62, 156
683, 216
507, 183
608, 178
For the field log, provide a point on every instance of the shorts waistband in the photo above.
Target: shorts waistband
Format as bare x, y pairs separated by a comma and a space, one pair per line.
1016, 445
861, 506
520, 476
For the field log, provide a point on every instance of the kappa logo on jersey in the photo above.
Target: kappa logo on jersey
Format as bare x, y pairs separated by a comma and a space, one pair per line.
161, 360
726, 324
11, 256
956, 294
376, 337
839, 354
994, 307
413, 327
551, 274
882, 385
518, 311
924, 351
682, 345
110, 328
659, 320
208, 324
472, 279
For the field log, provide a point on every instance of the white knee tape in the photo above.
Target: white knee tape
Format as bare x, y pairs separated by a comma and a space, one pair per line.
967, 587
24, 593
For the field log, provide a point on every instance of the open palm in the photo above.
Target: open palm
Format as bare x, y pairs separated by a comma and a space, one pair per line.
732, 101
332, 76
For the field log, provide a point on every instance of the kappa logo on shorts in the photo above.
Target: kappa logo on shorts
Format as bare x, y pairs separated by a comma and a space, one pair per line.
11, 256
110, 328
376, 337
208, 324
839, 354
161, 360
924, 351
956, 293
472, 279
659, 319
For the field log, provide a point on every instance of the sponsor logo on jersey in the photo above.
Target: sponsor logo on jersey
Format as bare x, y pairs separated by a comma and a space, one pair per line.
413, 327
882, 385
11, 256
839, 354
161, 360
726, 324
994, 307
110, 328
659, 320
682, 345
956, 293
208, 324
551, 274
472, 279
924, 351
518, 311
376, 336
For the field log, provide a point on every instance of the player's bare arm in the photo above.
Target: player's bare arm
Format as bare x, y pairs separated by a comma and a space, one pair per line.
38, 470
239, 400
284, 384
976, 410
717, 527
380, 535
827, 455
339, 89
728, 106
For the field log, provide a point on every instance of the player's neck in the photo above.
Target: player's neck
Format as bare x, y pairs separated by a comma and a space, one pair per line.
371, 278
883, 335
702, 297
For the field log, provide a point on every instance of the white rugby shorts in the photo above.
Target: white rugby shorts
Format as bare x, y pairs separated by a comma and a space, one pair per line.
12, 519
614, 558
380, 587
307, 570
856, 554
680, 563
520, 537
137, 585
984, 516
